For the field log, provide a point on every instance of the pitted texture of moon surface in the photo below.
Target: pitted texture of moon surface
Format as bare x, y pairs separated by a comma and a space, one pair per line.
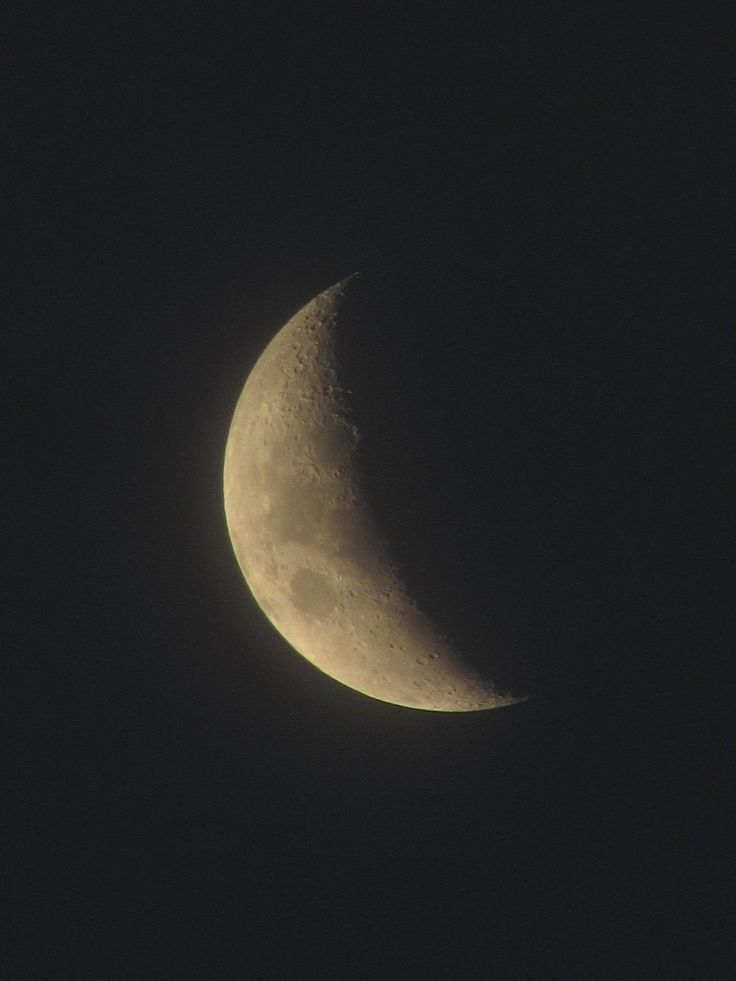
305, 539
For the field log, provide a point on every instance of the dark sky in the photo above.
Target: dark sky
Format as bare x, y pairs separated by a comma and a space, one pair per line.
543, 200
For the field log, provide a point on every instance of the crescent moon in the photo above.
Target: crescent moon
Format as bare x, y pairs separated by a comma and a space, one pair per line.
306, 542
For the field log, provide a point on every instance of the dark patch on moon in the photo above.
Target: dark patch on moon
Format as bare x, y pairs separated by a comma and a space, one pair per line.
296, 512
355, 540
313, 593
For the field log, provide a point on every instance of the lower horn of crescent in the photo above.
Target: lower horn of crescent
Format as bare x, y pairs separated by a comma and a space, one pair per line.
304, 538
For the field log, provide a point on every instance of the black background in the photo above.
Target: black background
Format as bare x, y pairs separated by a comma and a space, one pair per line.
542, 198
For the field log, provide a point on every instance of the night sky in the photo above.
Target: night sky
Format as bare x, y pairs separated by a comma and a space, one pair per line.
540, 198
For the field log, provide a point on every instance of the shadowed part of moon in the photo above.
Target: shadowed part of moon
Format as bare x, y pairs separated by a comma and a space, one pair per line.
304, 534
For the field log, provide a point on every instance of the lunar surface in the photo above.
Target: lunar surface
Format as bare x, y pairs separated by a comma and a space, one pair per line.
305, 538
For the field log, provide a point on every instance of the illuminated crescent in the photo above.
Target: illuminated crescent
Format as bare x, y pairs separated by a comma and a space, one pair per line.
304, 537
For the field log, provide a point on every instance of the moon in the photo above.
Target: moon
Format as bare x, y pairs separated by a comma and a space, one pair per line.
306, 540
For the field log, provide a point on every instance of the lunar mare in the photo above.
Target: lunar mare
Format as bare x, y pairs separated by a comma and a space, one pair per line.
305, 539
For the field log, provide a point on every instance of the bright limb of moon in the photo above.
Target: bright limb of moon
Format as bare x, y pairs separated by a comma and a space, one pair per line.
305, 539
